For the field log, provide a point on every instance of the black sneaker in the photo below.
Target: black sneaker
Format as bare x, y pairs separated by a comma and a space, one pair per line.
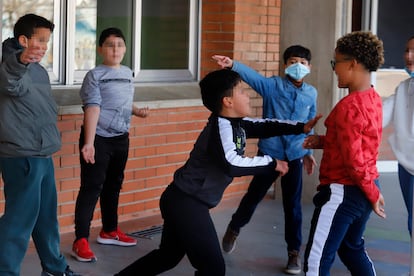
67, 272
229, 240
293, 266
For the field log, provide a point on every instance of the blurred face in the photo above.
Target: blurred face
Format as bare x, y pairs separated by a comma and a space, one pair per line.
240, 101
409, 55
112, 51
293, 60
341, 65
38, 42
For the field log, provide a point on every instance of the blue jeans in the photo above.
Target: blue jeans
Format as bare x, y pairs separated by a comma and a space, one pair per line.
338, 223
406, 183
30, 210
291, 197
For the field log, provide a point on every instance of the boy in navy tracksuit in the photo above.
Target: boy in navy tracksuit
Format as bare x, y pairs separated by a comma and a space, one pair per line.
348, 191
217, 157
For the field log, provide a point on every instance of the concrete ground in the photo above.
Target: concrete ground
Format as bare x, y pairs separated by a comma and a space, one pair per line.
261, 249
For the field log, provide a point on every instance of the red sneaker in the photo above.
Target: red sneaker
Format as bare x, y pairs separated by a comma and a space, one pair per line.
82, 252
116, 237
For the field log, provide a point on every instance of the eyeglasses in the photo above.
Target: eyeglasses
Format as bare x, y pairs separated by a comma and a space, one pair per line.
334, 62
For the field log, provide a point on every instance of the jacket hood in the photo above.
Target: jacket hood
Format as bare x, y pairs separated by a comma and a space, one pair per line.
10, 46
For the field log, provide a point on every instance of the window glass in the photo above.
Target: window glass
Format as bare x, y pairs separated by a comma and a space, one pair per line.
120, 16
165, 34
394, 28
85, 34
13, 10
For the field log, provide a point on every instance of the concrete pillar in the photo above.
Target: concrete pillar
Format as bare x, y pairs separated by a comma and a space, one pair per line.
316, 24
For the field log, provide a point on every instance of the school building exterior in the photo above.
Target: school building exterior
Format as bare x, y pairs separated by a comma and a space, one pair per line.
252, 31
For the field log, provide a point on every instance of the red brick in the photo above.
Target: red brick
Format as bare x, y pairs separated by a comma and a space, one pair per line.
66, 196
70, 137
62, 173
69, 184
69, 160
159, 181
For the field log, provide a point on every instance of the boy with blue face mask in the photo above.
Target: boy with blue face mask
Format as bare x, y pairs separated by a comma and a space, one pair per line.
285, 98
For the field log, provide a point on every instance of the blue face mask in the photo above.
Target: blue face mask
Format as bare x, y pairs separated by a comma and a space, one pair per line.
297, 71
410, 73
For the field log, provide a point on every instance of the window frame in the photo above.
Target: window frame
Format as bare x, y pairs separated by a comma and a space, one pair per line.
55, 75
189, 74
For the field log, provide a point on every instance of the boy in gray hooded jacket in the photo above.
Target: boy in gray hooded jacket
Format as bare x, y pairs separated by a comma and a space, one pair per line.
28, 138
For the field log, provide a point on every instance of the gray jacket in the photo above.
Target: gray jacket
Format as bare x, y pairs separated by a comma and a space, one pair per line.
28, 112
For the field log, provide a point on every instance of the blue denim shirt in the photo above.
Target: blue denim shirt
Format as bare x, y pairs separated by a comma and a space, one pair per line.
284, 101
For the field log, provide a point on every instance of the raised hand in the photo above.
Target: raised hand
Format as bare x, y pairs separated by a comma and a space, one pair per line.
33, 50
223, 61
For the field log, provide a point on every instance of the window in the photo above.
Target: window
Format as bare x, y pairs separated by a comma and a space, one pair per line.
389, 22
394, 28
161, 35
12, 10
164, 34
168, 48
85, 34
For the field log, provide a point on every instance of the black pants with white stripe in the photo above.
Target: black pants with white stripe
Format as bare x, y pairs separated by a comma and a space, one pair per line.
338, 223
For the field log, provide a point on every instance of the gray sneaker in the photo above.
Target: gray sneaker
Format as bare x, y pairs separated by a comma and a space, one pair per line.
229, 240
293, 266
67, 272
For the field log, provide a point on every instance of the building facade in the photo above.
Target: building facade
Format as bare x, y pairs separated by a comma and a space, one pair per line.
170, 44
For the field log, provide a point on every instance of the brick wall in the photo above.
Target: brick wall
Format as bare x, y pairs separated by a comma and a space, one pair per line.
248, 31
159, 144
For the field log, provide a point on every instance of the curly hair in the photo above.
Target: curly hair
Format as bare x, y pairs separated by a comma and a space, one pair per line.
364, 46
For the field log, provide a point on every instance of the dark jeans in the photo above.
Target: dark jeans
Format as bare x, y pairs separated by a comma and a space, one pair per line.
291, 197
406, 183
103, 180
188, 229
